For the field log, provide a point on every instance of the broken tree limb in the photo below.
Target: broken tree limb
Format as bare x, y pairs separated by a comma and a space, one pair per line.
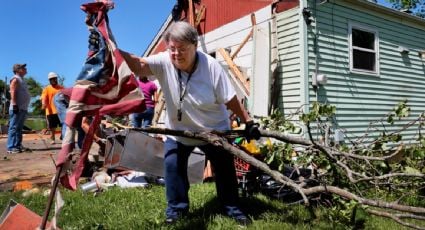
398, 211
279, 136
375, 203
285, 138
218, 139
398, 218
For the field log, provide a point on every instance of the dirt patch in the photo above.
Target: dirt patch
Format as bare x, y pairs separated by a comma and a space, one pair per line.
36, 166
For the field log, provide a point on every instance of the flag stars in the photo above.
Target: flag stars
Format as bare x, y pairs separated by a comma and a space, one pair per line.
90, 72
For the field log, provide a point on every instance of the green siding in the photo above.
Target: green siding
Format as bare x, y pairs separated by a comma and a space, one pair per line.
361, 99
288, 46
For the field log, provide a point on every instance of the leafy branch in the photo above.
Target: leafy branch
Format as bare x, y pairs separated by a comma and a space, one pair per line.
361, 176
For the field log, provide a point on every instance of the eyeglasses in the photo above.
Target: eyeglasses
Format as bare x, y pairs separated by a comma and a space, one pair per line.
181, 50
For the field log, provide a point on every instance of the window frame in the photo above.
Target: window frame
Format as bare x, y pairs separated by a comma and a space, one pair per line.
351, 48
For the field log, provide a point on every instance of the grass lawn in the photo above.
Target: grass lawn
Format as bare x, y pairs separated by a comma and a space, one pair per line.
144, 209
36, 123
33, 123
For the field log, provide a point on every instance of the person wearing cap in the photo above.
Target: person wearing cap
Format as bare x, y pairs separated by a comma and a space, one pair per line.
18, 109
47, 103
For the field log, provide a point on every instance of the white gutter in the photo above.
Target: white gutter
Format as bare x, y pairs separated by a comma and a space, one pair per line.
304, 89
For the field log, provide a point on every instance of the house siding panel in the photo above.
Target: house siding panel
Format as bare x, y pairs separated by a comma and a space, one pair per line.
361, 99
221, 12
289, 60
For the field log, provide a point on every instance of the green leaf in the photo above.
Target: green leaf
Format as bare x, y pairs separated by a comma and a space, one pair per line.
281, 166
271, 159
396, 138
390, 119
411, 170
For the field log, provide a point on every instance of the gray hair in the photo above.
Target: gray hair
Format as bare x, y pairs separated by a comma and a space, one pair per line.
182, 32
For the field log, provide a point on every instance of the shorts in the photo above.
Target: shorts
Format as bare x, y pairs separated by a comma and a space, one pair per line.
53, 121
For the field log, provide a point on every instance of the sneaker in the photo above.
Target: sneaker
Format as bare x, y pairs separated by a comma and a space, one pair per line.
160, 180
13, 151
242, 220
25, 149
173, 219
237, 215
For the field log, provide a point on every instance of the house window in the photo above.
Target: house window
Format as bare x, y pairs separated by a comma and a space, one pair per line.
363, 50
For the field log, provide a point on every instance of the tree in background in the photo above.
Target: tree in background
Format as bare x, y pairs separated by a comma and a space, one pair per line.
414, 7
35, 89
36, 107
4, 98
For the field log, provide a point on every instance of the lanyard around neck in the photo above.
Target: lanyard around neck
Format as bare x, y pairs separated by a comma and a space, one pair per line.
181, 90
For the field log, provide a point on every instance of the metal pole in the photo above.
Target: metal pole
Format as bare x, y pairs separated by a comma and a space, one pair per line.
51, 197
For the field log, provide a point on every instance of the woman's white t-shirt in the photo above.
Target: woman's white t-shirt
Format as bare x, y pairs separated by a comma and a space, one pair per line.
203, 107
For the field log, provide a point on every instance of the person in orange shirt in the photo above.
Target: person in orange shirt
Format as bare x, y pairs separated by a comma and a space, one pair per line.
48, 104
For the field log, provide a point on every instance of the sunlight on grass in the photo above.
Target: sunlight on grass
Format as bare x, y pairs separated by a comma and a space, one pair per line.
144, 209
33, 123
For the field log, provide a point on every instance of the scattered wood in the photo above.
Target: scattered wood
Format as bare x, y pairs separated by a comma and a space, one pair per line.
235, 70
200, 15
251, 32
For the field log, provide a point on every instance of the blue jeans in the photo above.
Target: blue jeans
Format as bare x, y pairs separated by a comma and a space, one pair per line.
61, 106
14, 134
142, 120
177, 182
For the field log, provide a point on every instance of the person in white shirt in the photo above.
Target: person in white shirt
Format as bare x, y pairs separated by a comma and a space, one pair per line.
197, 92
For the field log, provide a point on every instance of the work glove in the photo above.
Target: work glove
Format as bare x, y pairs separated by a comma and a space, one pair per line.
251, 131
15, 109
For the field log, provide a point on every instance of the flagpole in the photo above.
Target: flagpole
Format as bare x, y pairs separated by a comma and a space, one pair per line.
51, 197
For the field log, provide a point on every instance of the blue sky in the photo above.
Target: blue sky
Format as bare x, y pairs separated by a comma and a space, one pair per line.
51, 35
384, 2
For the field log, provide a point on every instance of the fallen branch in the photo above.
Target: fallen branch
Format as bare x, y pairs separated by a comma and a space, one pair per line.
397, 218
375, 203
220, 139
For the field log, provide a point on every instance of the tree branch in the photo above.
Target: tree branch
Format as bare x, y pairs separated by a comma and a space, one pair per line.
397, 218
335, 156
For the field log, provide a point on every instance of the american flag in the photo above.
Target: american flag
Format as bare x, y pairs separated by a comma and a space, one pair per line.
105, 85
